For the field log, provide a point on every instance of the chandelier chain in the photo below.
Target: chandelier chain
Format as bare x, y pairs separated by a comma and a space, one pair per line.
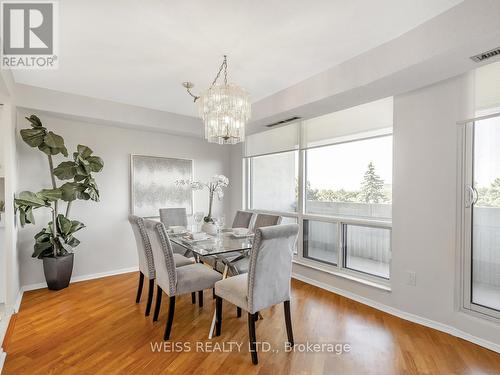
222, 66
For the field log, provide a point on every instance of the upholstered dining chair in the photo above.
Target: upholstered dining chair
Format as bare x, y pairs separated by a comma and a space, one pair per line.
267, 282
146, 261
171, 217
242, 219
266, 220
172, 280
239, 264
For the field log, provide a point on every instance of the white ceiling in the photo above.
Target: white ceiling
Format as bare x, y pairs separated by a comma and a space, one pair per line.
139, 52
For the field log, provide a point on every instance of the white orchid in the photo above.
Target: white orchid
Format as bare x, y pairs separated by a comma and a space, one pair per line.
215, 186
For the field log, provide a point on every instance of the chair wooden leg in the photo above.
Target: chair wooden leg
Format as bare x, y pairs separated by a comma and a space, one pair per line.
193, 298
238, 312
170, 320
256, 316
213, 293
288, 322
159, 293
218, 313
150, 296
252, 338
139, 287
200, 298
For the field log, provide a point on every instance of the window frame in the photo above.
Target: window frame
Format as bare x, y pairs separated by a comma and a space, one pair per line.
344, 248
301, 215
337, 244
465, 220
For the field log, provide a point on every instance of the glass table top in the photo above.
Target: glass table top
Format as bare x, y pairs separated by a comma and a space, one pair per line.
214, 245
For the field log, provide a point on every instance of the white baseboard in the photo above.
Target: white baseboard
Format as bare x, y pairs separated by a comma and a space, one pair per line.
402, 314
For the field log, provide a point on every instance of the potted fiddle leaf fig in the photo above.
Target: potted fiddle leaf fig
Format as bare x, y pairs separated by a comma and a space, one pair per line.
54, 244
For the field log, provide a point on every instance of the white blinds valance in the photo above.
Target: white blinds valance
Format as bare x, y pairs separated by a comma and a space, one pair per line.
487, 89
368, 119
280, 139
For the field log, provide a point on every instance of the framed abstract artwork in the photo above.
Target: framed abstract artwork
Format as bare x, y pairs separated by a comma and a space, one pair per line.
153, 184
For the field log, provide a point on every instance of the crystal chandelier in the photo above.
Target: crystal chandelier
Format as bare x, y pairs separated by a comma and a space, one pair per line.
224, 109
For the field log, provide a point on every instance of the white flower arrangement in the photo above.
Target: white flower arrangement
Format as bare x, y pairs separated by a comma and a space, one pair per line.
215, 187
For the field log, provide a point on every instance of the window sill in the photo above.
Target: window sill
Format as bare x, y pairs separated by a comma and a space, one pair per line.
378, 285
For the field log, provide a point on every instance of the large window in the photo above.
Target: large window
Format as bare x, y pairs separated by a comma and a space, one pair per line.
333, 176
351, 179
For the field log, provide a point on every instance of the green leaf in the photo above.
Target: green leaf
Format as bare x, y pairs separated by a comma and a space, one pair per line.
22, 216
30, 219
84, 151
64, 150
69, 191
35, 121
45, 149
95, 163
63, 246
50, 194
33, 137
76, 226
40, 234
79, 178
42, 249
64, 224
28, 198
73, 241
66, 170
55, 143
53, 140
91, 190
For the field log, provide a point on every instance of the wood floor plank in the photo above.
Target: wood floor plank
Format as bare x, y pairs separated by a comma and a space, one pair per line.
95, 327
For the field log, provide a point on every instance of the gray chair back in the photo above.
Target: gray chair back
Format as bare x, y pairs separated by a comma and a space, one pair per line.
143, 245
265, 220
166, 275
173, 217
242, 219
270, 269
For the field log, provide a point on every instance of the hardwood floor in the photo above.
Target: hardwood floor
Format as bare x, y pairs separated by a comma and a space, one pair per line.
95, 327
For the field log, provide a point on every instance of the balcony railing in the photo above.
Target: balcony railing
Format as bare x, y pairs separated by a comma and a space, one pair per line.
373, 248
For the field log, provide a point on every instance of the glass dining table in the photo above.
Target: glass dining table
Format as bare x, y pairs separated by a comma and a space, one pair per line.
215, 246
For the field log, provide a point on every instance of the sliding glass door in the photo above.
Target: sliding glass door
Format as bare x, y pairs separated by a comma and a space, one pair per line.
482, 207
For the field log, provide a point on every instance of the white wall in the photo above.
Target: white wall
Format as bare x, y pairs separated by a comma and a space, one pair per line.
11, 280
107, 242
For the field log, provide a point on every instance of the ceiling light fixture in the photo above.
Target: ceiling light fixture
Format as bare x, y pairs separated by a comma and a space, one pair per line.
224, 108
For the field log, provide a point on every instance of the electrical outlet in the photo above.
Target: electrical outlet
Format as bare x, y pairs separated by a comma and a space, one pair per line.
412, 278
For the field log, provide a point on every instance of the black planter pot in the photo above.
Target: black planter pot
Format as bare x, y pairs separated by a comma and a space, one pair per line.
58, 271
